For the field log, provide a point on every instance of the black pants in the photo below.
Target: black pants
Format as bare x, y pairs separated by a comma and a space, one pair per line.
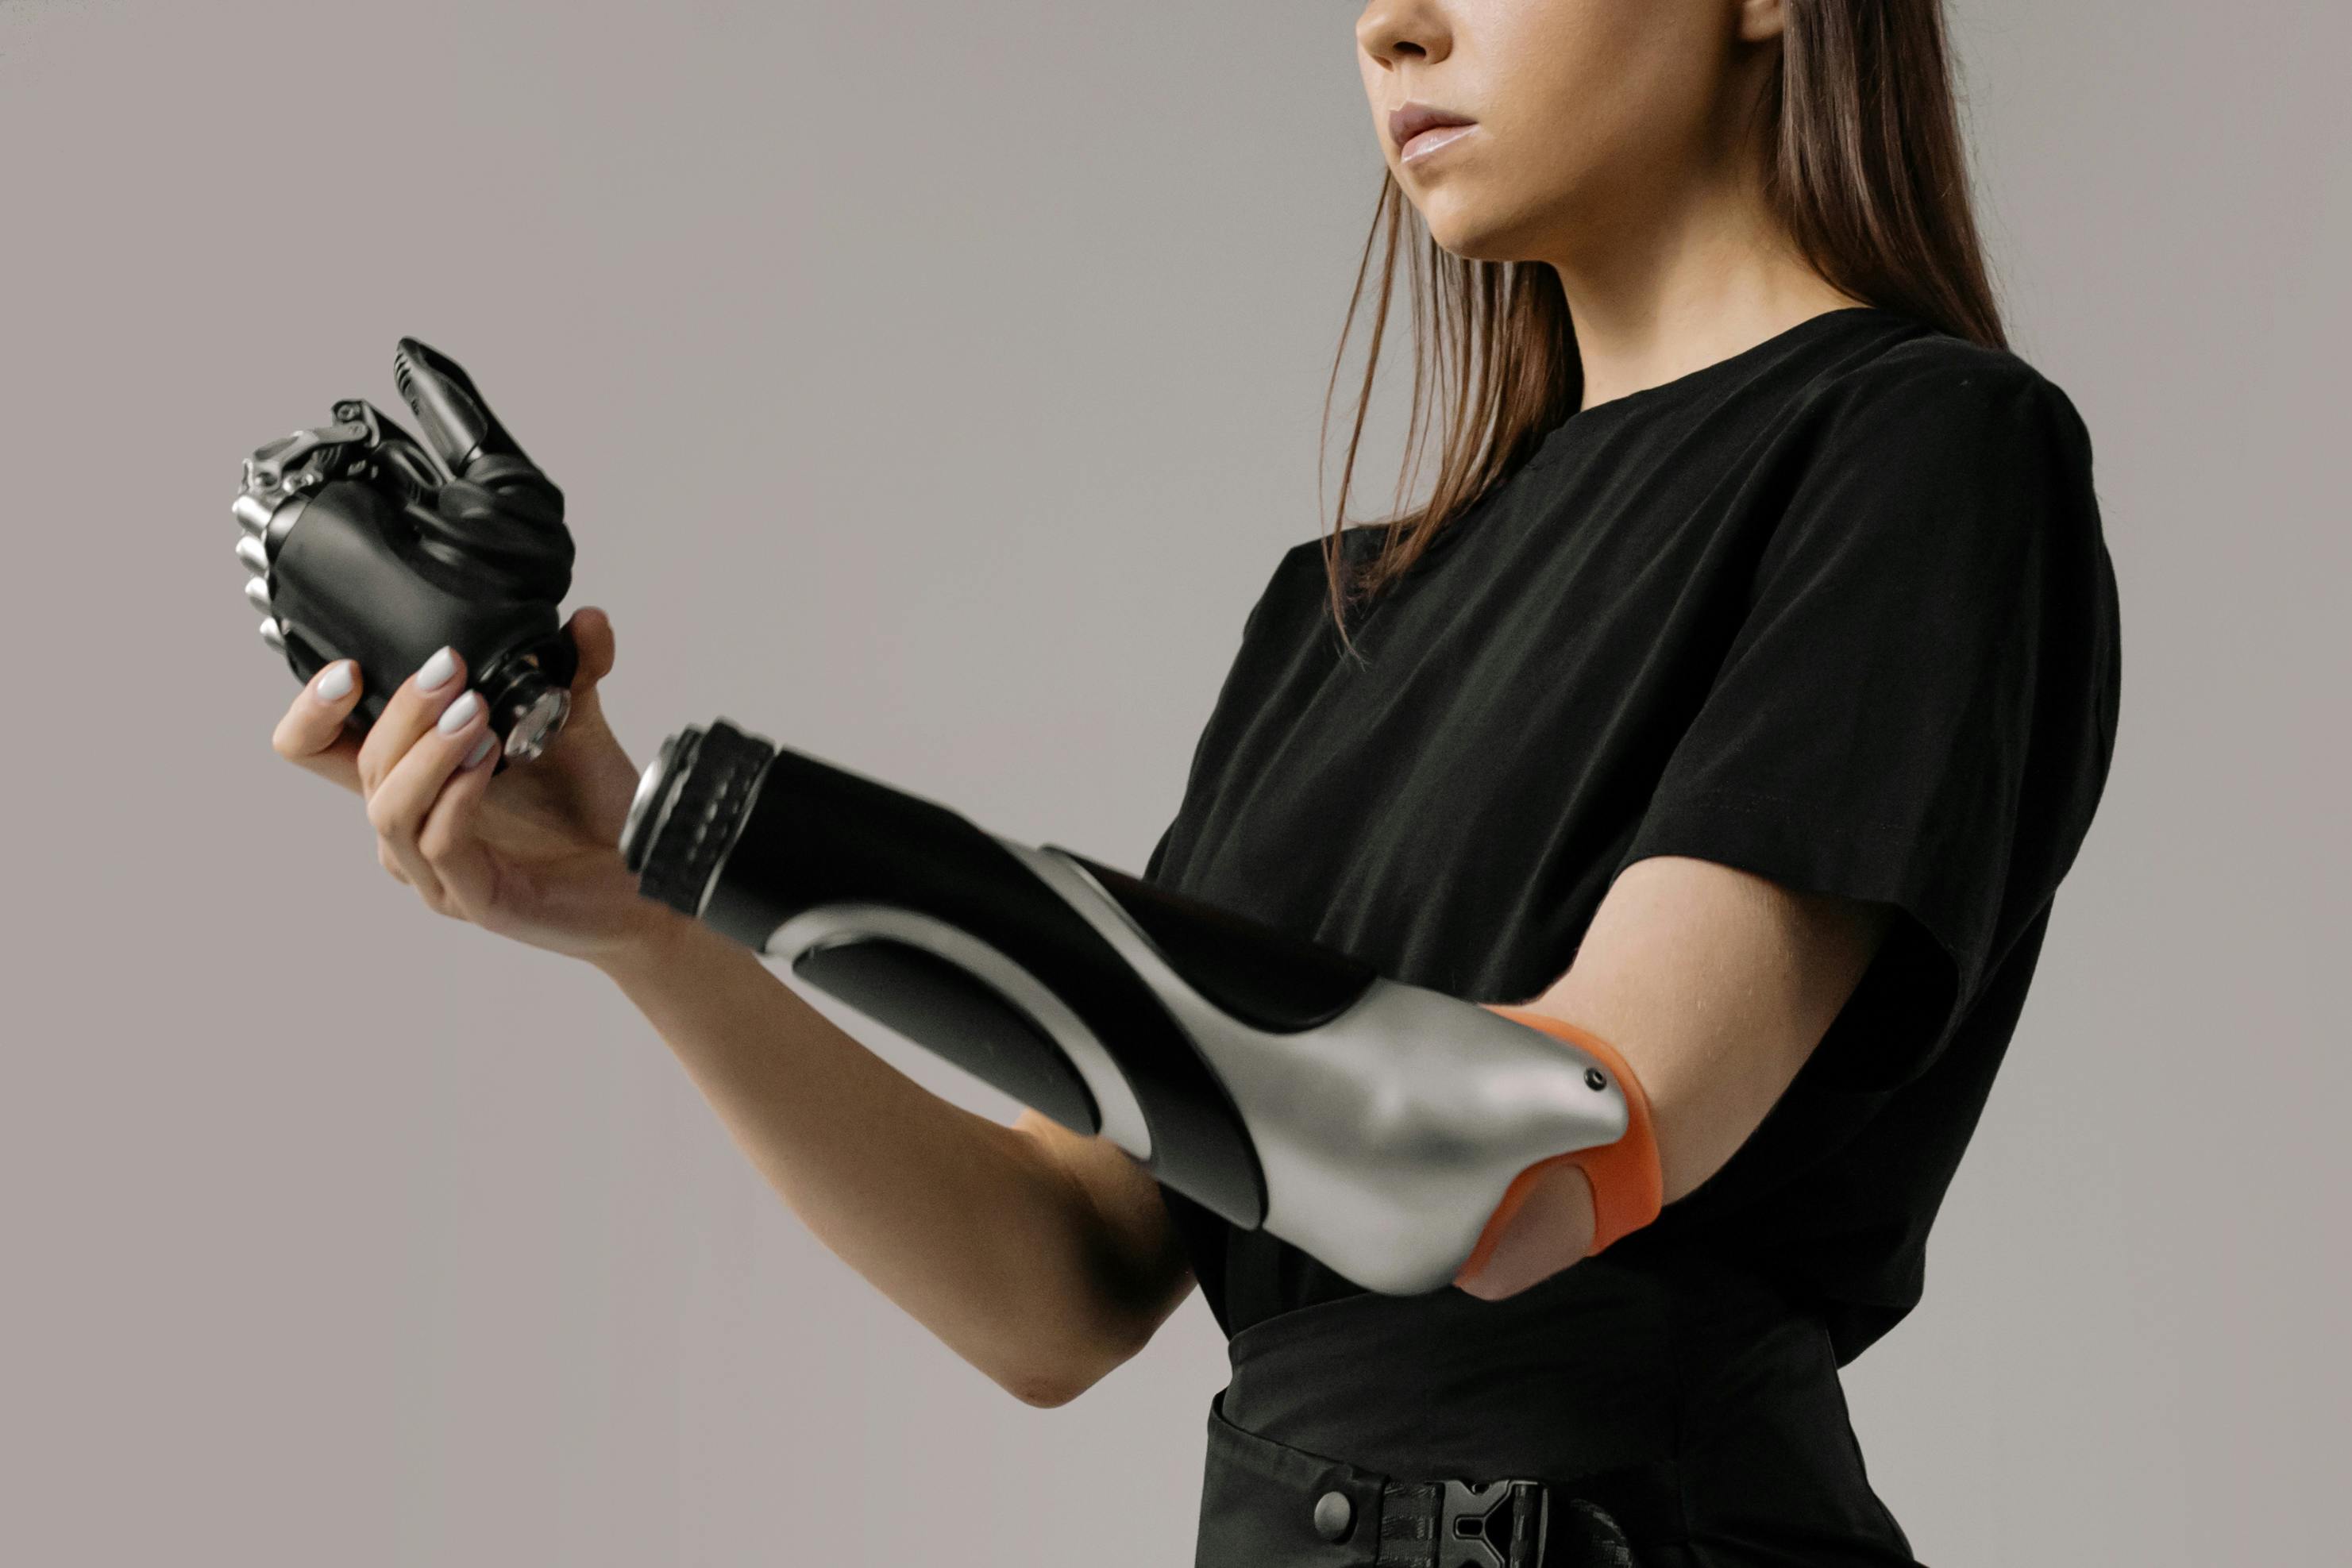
1680, 1414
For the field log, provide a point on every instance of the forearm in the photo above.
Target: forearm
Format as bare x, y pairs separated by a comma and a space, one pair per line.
963, 1221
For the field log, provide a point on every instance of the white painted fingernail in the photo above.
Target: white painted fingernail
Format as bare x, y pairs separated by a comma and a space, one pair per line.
437, 670
461, 713
482, 749
336, 683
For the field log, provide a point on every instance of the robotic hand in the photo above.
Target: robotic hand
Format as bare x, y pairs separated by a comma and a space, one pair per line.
1387, 1130
361, 547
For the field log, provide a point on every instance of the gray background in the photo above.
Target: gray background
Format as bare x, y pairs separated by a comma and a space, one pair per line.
934, 386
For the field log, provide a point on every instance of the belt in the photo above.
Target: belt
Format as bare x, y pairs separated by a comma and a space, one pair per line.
1618, 1412
1265, 1504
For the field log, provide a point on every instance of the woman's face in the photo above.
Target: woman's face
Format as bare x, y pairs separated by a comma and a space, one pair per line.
1585, 111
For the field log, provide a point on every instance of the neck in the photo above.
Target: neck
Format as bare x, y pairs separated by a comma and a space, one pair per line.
1675, 286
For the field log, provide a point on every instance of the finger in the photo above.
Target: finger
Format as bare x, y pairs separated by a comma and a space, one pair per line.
413, 709
498, 509
591, 630
458, 422
591, 634
310, 733
451, 842
456, 416
396, 809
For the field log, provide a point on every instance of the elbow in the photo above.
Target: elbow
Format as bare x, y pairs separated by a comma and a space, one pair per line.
1042, 1394
1047, 1388
1035, 1383
1048, 1391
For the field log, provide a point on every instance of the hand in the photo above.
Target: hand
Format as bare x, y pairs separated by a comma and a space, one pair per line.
531, 852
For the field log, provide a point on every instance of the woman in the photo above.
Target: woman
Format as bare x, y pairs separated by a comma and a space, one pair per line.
1741, 695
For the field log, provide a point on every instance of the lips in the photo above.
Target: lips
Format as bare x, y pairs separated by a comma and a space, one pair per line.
1411, 120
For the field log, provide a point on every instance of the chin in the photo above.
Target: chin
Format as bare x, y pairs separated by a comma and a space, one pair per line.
1477, 231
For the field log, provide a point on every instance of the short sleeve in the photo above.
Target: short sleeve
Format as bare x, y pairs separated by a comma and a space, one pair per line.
1919, 705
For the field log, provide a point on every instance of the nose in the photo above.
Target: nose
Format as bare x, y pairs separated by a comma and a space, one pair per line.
1392, 31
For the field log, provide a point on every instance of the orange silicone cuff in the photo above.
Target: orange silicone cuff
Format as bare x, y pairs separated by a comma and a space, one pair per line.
1628, 1183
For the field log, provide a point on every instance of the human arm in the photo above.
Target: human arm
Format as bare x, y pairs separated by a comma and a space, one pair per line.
971, 1226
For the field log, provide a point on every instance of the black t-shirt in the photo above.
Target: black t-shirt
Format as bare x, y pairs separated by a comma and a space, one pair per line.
1837, 611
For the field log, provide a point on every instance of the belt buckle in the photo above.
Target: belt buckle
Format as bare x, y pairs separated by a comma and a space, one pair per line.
1505, 1529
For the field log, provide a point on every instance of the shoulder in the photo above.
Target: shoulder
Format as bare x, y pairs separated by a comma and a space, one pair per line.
1294, 586
1941, 392
1935, 456
1305, 568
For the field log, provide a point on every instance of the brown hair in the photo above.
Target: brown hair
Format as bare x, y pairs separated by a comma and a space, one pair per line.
1869, 178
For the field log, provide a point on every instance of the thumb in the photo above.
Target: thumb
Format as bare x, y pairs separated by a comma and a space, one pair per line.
591, 634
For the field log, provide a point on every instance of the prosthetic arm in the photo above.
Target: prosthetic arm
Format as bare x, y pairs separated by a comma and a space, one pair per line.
1387, 1130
